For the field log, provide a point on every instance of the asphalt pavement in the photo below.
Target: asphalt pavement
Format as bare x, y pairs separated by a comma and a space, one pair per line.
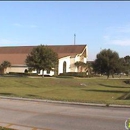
27, 114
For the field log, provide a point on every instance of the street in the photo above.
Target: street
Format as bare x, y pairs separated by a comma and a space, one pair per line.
28, 115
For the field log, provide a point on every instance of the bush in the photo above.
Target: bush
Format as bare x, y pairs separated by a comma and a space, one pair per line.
75, 74
15, 73
22, 74
62, 76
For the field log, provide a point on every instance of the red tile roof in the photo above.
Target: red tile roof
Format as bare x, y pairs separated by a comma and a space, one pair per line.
18, 54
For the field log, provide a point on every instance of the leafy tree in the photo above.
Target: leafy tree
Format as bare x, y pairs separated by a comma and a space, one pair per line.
4, 65
126, 64
80, 63
108, 62
89, 67
121, 65
42, 58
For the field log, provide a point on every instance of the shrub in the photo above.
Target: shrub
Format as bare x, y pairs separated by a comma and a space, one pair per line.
75, 74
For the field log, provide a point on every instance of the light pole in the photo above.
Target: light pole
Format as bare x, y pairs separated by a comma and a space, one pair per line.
74, 39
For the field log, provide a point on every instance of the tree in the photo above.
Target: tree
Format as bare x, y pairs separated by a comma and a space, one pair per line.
89, 67
80, 64
126, 64
108, 62
4, 65
42, 58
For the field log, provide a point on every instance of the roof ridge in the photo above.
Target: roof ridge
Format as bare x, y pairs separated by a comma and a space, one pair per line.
41, 44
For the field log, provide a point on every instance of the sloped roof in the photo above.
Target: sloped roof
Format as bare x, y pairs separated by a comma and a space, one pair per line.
18, 54
14, 59
16, 50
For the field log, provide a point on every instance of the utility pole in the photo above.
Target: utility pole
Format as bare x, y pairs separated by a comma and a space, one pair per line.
74, 39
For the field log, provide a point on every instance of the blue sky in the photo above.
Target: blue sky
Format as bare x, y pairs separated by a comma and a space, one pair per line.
100, 25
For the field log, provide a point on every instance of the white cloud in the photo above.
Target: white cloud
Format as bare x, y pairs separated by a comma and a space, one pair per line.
6, 42
124, 29
18, 25
118, 35
115, 41
119, 29
120, 42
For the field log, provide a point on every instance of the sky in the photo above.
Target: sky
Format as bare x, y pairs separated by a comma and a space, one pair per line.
98, 24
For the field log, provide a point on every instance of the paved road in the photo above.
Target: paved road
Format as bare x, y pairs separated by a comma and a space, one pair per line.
27, 115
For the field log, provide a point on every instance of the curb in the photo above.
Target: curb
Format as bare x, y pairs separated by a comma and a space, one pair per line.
65, 102
14, 126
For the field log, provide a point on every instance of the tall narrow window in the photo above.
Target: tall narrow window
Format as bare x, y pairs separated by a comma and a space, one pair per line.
64, 67
48, 71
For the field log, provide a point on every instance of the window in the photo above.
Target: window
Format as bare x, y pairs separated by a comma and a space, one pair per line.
64, 67
48, 71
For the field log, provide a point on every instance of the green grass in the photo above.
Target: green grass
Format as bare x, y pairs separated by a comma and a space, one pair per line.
99, 90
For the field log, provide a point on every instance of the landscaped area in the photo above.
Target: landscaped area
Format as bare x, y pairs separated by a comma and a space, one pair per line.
94, 90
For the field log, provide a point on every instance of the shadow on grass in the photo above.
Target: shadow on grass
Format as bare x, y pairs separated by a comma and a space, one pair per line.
106, 91
125, 96
111, 86
29, 85
7, 94
31, 95
127, 81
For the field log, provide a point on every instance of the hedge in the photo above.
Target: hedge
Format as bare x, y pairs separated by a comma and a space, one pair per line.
75, 74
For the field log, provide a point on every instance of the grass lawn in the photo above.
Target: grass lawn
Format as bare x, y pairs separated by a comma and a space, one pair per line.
99, 90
